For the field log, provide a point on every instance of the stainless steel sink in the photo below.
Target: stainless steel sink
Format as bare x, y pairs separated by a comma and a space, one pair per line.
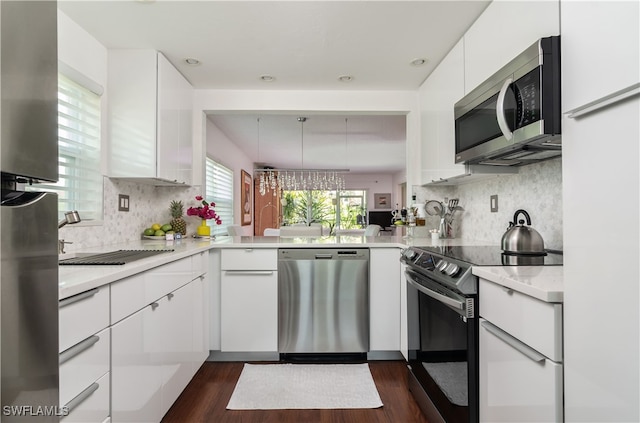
111, 258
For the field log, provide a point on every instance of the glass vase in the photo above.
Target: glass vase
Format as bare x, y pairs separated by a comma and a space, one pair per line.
204, 229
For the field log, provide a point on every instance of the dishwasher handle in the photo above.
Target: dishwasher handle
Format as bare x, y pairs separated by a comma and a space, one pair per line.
322, 256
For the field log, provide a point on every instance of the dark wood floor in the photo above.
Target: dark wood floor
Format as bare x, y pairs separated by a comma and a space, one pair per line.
206, 398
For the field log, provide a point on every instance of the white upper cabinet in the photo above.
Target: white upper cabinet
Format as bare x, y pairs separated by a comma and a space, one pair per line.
149, 117
599, 50
437, 96
505, 29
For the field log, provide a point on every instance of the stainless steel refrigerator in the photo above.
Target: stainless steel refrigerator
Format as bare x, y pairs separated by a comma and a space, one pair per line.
28, 220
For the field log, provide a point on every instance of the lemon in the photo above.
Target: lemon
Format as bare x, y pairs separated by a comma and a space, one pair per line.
156, 227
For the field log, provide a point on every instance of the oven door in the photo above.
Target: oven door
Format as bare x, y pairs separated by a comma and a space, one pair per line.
443, 350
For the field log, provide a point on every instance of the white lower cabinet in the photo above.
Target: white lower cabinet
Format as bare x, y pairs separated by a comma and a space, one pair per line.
517, 383
135, 379
249, 311
131, 347
92, 404
153, 357
384, 299
249, 300
84, 343
521, 371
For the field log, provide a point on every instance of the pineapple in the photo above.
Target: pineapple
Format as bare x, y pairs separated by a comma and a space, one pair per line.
177, 223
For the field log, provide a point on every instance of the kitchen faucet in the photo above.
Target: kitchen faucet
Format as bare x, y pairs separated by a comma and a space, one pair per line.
69, 217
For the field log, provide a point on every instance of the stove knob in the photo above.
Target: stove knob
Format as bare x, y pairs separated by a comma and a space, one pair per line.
410, 254
441, 265
452, 269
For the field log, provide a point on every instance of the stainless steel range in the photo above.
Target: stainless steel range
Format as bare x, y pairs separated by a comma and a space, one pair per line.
442, 321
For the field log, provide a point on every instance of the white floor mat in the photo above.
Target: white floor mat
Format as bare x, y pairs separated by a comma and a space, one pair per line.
304, 386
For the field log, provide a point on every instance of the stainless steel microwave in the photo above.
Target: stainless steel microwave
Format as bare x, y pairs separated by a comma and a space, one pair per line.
513, 118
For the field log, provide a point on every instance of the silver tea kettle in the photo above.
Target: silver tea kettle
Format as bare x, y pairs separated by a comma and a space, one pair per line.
521, 239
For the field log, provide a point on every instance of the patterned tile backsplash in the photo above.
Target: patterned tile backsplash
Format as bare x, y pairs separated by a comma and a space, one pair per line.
537, 188
147, 205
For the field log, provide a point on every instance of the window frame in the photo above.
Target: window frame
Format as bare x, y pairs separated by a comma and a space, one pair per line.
224, 204
79, 138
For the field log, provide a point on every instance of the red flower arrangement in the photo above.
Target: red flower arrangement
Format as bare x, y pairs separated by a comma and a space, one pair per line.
205, 211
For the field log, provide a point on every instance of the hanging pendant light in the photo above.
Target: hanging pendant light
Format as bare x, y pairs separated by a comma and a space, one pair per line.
277, 180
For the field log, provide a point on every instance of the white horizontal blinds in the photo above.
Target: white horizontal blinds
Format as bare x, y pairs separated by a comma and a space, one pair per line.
219, 190
79, 185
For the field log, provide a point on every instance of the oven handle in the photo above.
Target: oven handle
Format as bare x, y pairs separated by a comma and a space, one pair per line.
458, 305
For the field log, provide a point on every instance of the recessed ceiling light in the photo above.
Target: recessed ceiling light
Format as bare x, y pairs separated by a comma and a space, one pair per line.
192, 61
345, 78
267, 78
418, 62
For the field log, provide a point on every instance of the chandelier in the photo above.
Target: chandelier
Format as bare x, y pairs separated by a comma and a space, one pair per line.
275, 181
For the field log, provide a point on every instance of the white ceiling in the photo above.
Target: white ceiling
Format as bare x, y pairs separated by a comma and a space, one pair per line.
304, 45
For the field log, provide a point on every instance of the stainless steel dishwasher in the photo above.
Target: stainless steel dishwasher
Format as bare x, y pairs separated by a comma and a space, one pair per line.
323, 301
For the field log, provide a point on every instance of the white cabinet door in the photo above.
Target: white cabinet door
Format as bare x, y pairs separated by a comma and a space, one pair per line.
92, 405
201, 303
132, 85
384, 299
173, 329
249, 311
517, 384
135, 380
175, 96
443, 88
505, 29
149, 116
609, 28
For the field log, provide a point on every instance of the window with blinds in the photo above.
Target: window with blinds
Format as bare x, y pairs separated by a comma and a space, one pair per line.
79, 185
219, 190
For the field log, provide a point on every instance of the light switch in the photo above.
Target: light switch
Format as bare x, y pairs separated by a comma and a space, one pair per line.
123, 202
494, 203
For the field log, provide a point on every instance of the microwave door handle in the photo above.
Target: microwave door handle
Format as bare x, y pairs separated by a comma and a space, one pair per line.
502, 120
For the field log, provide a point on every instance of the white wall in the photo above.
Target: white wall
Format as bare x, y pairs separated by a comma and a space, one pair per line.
224, 151
373, 184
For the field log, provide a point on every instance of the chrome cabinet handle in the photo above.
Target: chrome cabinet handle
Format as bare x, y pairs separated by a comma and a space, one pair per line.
513, 342
170, 295
154, 306
502, 121
79, 297
79, 399
71, 352
248, 272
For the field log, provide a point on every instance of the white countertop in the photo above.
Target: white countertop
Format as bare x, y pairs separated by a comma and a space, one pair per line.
542, 282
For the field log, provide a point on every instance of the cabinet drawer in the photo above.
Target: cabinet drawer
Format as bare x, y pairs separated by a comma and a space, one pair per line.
534, 322
82, 315
92, 405
514, 383
249, 259
136, 292
83, 364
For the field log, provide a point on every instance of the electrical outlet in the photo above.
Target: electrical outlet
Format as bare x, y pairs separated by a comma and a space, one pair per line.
123, 202
494, 203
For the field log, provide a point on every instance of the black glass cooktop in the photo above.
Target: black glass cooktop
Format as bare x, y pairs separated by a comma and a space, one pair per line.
493, 256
